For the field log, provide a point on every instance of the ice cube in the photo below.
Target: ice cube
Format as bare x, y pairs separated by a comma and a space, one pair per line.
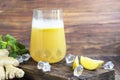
69, 58
20, 59
26, 57
45, 66
40, 65
78, 71
108, 65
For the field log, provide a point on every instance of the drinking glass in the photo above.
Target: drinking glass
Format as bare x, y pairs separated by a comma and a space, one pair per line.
47, 36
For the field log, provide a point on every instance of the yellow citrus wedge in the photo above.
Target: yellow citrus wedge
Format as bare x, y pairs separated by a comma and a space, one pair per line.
90, 64
76, 62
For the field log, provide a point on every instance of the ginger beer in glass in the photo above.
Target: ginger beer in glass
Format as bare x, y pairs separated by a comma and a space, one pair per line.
47, 36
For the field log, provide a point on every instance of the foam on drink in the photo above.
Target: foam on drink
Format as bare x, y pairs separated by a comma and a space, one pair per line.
47, 23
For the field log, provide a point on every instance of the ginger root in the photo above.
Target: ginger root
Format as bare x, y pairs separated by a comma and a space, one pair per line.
4, 52
12, 72
2, 73
8, 60
8, 69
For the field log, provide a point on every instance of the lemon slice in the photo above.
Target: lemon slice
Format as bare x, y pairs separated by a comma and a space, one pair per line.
90, 64
76, 62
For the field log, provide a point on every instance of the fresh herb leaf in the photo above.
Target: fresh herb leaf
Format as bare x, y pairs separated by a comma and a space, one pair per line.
21, 46
12, 54
0, 37
15, 47
10, 38
3, 44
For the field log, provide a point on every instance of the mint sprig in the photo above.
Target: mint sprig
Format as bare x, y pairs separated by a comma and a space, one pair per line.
13, 45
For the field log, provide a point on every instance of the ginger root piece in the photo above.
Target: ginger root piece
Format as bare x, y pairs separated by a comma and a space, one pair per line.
8, 60
2, 73
9, 64
12, 72
4, 52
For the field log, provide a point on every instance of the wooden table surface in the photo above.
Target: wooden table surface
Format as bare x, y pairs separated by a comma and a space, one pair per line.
64, 71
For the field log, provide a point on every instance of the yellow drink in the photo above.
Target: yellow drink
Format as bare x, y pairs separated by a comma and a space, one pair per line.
48, 44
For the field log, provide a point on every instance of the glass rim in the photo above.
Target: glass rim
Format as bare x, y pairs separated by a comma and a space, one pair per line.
47, 9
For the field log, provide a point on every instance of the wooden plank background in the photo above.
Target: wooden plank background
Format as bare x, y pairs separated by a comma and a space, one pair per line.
92, 27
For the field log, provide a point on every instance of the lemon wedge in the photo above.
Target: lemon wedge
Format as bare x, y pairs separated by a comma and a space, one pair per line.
76, 62
90, 64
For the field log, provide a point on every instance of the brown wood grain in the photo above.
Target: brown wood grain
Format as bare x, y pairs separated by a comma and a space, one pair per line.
63, 71
91, 27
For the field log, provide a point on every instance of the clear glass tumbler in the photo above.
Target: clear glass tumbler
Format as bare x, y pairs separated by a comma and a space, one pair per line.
47, 36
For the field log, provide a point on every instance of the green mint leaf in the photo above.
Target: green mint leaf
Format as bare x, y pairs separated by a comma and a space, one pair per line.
3, 44
12, 54
15, 47
10, 38
22, 51
0, 37
21, 46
